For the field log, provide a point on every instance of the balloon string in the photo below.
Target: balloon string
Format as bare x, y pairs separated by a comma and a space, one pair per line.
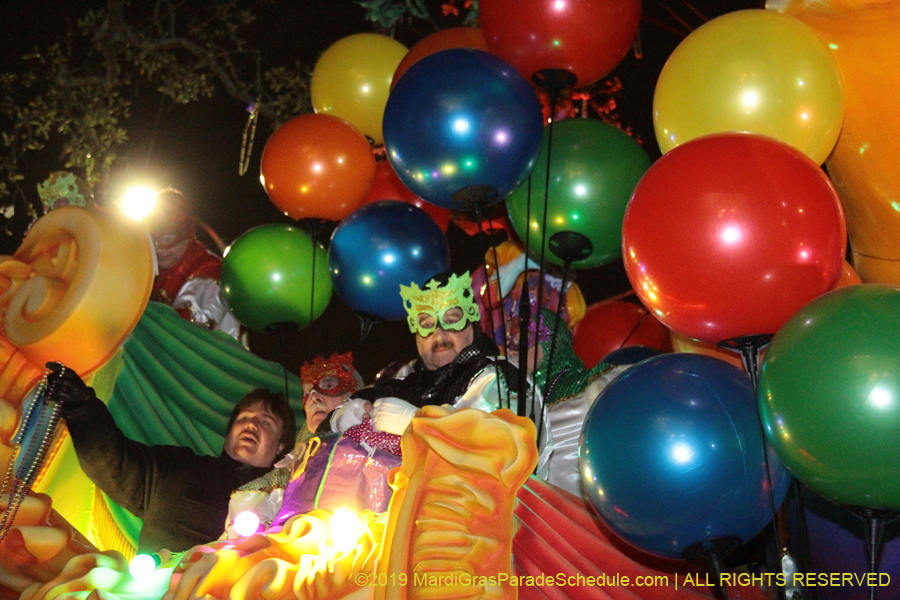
755, 345
287, 394
524, 314
633, 330
540, 281
500, 300
247, 144
314, 231
478, 216
553, 92
282, 331
484, 260
806, 557
559, 309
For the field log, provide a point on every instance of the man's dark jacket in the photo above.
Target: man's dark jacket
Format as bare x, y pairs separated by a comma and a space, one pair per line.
444, 385
181, 497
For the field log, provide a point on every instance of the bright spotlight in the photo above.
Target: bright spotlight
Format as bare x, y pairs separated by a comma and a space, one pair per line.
137, 202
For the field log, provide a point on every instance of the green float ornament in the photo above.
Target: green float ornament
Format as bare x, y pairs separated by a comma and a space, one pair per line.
829, 395
275, 276
594, 168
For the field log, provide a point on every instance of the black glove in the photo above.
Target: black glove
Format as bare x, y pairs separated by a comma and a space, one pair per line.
67, 387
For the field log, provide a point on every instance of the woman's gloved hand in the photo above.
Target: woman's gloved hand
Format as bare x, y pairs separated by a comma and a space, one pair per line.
392, 415
67, 387
349, 414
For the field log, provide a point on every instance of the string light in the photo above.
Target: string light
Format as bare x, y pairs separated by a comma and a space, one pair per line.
144, 565
246, 523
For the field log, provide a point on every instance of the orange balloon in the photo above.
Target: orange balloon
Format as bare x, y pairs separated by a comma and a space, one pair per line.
455, 37
862, 36
847, 277
682, 343
317, 166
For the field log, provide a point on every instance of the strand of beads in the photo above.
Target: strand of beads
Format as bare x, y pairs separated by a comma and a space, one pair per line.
41, 435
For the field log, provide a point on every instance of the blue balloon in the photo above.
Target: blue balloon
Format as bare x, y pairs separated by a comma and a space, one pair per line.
671, 455
380, 246
461, 118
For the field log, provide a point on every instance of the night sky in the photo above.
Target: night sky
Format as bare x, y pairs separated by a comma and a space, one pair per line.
196, 147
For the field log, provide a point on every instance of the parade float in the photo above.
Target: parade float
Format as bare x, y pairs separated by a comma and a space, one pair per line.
729, 254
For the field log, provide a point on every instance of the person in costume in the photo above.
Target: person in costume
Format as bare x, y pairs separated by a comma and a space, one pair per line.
498, 287
454, 354
327, 384
188, 278
64, 188
181, 497
568, 387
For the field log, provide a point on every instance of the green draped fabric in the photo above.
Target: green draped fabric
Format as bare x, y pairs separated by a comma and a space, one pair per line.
178, 384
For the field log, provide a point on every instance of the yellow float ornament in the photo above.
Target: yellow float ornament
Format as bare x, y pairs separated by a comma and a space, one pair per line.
76, 287
862, 36
72, 292
752, 71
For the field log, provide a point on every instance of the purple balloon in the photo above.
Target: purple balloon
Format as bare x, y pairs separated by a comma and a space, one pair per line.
837, 545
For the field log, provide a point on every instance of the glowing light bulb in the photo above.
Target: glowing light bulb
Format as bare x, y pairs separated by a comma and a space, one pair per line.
246, 523
142, 565
346, 527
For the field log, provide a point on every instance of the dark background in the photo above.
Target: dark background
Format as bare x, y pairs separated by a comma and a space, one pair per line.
196, 147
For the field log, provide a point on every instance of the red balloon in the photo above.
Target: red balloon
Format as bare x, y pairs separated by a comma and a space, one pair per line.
610, 325
730, 234
387, 186
586, 37
445, 39
317, 166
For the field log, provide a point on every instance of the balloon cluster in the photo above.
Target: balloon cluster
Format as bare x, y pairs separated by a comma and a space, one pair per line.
727, 236
735, 231
461, 127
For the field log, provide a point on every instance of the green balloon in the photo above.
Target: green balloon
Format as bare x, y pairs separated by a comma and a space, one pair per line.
593, 172
268, 278
829, 395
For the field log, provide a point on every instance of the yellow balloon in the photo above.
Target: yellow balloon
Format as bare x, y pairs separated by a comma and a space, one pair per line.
863, 36
756, 71
352, 80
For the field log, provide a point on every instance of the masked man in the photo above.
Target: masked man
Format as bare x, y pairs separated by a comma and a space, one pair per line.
458, 364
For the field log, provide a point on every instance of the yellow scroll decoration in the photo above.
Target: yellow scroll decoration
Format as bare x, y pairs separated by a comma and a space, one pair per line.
72, 292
